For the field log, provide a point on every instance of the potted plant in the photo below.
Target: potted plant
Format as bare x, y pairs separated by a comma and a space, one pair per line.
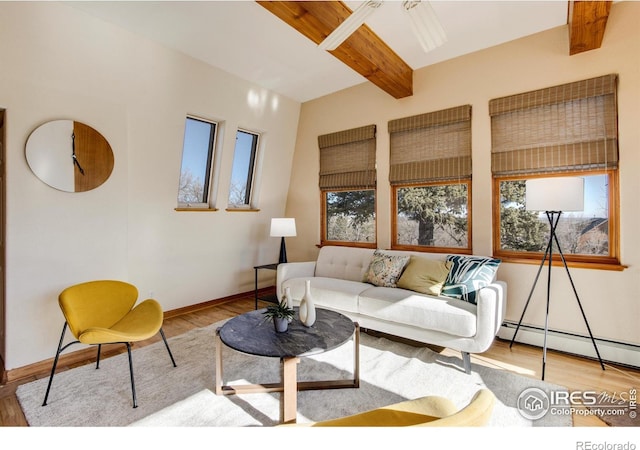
281, 315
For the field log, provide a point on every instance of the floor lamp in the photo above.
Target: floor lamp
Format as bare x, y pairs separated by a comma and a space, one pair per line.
283, 227
553, 196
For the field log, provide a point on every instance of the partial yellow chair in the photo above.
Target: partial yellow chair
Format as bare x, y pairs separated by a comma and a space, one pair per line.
103, 312
429, 411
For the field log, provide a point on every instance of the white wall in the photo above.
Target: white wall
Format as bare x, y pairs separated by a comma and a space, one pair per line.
610, 298
57, 62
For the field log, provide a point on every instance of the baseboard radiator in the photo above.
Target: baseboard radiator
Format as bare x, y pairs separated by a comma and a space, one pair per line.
616, 352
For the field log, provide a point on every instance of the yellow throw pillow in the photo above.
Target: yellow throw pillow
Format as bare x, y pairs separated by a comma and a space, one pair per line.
426, 276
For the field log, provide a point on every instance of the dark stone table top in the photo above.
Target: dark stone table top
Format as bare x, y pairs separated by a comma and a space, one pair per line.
250, 333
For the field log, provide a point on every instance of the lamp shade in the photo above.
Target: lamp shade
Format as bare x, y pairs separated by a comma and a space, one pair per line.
281, 227
555, 194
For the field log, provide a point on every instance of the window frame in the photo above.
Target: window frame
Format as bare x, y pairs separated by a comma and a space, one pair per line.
209, 182
428, 249
251, 172
609, 262
323, 221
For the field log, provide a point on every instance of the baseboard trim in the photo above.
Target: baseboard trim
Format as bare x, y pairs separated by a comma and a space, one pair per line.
622, 353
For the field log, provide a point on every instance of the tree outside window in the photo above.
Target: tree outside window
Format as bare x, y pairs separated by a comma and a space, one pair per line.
350, 216
580, 233
433, 216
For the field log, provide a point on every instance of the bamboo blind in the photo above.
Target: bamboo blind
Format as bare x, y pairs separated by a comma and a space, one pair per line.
562, 128
348, 159
432, 146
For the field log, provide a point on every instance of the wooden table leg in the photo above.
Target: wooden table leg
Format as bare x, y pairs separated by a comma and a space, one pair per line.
289, 403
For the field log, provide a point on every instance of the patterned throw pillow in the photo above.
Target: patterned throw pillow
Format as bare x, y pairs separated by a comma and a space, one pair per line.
468, 275
385, 270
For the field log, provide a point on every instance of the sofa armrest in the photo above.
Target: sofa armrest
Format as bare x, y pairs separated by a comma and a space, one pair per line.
492, 304
287, 271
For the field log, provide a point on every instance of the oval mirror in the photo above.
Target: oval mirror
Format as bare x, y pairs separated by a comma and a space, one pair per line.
69, 156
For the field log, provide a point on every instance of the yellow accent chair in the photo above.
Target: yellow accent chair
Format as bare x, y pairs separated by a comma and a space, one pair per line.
429, 411
103, 312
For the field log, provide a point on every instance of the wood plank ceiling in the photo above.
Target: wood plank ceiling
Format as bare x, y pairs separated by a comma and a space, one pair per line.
369, 56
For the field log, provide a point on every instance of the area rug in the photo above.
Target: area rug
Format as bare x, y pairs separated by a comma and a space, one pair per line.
183, 396
617, 414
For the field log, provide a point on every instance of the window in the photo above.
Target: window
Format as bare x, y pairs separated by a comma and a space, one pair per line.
197, 158
433, 215
242, 172
585, 233
567, 130
430, 175
347, 184
350, 216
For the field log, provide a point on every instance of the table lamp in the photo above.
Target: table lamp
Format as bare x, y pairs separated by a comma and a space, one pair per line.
283, 227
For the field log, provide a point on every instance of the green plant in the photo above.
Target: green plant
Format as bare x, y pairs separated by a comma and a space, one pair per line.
279, 310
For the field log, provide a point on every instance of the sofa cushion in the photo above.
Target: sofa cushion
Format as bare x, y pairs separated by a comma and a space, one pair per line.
330, 292
449, 315
385, 270
345, 263
425, 275
468, 275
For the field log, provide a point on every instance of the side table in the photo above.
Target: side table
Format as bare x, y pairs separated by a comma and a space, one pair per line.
268, 298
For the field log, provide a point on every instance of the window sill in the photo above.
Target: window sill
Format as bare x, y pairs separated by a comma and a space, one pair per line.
242, 210
571, 264
196, 209
347, 244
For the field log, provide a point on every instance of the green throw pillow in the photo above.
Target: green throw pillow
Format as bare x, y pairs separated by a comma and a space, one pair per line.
384, 270
426, 276
468, 275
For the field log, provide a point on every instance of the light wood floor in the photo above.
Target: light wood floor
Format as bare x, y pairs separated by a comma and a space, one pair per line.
573, 372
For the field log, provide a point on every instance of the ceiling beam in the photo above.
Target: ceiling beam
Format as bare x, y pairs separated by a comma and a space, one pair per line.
587, 21
363, 51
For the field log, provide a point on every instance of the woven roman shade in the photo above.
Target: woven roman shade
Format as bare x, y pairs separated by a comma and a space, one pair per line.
348, 159
431, 147
563, 128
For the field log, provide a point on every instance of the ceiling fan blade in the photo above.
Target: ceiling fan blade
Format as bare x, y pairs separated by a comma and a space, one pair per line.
350, 24
425, 24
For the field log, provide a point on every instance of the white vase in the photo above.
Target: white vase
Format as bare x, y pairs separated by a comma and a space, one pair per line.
307, 307
287, 299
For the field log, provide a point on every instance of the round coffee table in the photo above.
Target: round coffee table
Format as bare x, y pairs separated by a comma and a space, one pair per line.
250, 333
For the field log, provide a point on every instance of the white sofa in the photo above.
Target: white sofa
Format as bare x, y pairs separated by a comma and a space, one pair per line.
337, 284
